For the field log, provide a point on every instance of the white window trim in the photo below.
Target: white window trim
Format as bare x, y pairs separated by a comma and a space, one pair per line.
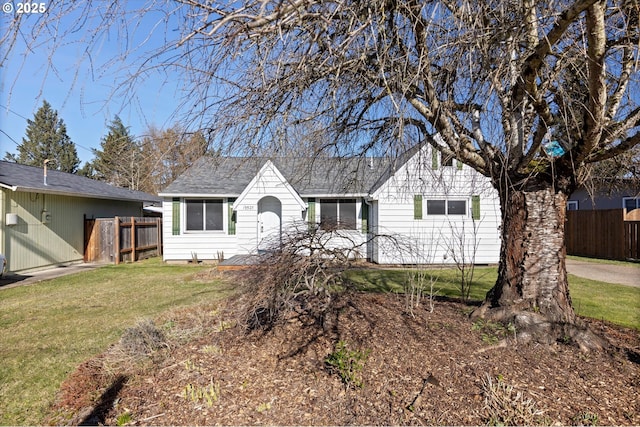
225, 216
318, 218
425, 210
573, 203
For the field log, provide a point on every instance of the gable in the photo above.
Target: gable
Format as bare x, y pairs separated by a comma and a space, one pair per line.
269, 181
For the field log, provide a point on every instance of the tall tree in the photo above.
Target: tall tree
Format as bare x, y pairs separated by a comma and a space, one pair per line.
490, 78
46, 138
118, 161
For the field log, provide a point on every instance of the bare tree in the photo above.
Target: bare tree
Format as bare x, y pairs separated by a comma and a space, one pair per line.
490, 78
168, 153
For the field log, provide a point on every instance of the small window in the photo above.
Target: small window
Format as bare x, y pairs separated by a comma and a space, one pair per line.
446, 160
572, 205
338, 213
456, 207
204, 215
446, 207
436, 207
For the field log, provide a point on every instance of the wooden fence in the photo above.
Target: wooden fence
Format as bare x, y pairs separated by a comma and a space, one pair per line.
607, 234
122, 239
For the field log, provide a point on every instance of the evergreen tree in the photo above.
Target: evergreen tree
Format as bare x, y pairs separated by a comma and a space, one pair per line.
87, 170
46, 138
118, 161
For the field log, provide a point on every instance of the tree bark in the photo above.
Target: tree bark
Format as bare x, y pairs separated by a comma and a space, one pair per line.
532, 291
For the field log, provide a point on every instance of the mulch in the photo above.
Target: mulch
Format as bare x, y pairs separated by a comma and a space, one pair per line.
421, 368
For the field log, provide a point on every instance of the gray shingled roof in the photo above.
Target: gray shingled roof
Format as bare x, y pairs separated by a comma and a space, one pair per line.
230, 175
31, 179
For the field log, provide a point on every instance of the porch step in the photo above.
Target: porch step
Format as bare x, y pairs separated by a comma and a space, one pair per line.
237, 262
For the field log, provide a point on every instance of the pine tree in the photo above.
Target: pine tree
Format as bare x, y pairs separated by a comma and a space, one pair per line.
118, 160
46, 138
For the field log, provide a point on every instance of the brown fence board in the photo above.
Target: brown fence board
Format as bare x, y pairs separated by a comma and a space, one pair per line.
122, 239
601, 234
632, 238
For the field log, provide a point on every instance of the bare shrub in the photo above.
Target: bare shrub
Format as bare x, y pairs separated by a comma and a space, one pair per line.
298, 273
418, 251
504, 405
142, 339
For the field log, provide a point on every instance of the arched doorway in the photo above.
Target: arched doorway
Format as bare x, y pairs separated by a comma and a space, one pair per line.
269, 222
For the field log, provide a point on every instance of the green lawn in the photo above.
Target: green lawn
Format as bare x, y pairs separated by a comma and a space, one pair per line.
49, 328
615, 303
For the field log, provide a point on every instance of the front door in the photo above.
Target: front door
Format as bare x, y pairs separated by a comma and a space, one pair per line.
269, 223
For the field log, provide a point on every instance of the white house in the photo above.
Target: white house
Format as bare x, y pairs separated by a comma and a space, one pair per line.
414, 209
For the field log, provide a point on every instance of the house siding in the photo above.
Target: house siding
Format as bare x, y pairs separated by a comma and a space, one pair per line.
33, 244
611, 200
406, 234
180, 244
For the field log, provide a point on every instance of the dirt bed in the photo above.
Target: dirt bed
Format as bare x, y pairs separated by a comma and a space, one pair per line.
427, 368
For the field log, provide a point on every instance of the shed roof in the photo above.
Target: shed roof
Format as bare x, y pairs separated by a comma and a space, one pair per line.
308, 176
17, 177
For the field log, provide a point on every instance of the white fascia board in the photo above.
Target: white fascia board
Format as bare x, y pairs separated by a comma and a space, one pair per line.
269, 165
199, 195
336, 195
9, 187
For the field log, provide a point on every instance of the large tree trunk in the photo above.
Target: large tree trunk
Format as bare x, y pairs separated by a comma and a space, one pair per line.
532, 291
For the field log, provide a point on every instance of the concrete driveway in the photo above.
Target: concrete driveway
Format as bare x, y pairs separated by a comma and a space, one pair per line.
12, 280
609, 273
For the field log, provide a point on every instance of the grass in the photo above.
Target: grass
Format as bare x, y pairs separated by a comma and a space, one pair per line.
614, 303
50, 328
604, 261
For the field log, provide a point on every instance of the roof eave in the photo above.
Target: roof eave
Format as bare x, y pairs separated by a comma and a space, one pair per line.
74, 194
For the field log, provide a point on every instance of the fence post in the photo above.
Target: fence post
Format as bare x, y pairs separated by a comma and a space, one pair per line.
133, 239
116, 228
159, 235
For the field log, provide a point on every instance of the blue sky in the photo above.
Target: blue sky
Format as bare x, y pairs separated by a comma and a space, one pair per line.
87, 103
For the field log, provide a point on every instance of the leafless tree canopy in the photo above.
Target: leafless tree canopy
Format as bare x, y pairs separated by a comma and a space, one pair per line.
528, 92
495, 79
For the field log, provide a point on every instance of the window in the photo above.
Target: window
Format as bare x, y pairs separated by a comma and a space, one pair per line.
204, 215
630, 203
446, 160
338, 213
446, 207
572, 205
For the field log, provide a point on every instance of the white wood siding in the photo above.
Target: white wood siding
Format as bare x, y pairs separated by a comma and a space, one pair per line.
205, 245
402, 239
269, 182
435, 239
208, 244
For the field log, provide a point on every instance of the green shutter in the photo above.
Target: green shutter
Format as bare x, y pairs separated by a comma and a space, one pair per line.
475, 207
459, 165
417, 206
365, 217
434, 159
311, 212
175, 217
231, 229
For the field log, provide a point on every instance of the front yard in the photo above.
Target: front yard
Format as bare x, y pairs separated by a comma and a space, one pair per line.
50, 328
